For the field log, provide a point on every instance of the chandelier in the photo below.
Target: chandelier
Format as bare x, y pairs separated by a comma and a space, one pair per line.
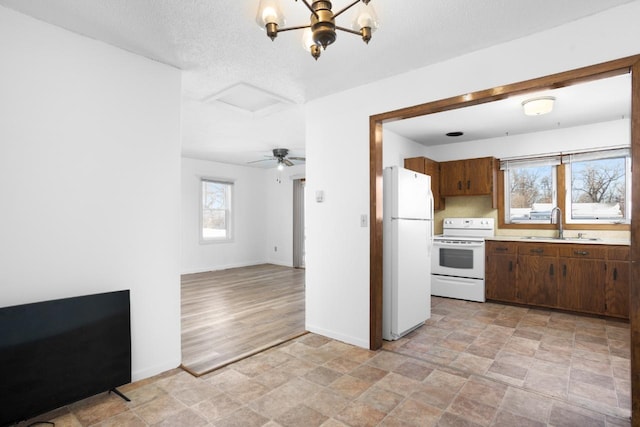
321, 31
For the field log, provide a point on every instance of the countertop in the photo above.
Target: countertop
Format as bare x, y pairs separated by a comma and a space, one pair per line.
575, 240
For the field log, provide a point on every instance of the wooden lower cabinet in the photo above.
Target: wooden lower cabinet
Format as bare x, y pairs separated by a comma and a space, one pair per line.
581, 285
616, 289
500, 271
537, 280
617, 282
583, 278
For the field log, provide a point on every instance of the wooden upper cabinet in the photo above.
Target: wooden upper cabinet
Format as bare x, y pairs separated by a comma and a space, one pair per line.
453, 176
431, 168
470, 177
480, 174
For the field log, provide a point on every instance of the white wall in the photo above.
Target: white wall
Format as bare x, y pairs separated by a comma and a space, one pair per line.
337, 279
248, 246
262, 214
396, 148
598, 135
89, 179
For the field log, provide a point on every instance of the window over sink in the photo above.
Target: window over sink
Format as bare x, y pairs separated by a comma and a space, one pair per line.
599, 186
530, 189
591, 188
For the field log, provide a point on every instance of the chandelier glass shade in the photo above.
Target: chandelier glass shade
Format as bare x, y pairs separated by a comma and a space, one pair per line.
322, 29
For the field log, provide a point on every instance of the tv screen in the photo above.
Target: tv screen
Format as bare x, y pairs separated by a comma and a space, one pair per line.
57, 352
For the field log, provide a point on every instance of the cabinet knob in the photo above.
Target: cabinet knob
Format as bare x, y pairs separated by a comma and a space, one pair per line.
581, 252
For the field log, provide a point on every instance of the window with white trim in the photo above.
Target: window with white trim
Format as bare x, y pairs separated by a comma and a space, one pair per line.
598, 187
215, 210
530, 189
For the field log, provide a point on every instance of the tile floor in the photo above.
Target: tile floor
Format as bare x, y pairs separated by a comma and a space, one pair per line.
472, 364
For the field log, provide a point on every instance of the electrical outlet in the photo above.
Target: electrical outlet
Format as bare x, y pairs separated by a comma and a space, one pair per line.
364, 221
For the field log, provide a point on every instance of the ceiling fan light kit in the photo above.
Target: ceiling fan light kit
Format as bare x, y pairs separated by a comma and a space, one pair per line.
321, 31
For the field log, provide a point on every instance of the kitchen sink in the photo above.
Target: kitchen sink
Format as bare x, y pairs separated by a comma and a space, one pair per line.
571, 239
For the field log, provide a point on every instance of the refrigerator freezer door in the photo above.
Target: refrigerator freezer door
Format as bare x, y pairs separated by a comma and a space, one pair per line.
408, 283
411, 193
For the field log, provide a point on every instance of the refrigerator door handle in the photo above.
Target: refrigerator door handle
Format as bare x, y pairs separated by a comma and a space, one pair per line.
432, 204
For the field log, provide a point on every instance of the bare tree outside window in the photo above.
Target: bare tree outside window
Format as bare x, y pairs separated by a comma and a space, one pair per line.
531, 193
598, 189
216, 208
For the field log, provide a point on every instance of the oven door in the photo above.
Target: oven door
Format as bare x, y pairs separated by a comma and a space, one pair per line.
458, 258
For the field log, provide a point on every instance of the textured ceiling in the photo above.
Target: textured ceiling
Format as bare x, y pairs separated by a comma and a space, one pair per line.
217, 44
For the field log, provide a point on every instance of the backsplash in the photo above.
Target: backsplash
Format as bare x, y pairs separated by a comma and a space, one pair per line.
480, 207
465, 207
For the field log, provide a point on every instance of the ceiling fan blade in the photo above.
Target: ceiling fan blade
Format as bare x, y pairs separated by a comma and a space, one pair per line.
287, 162
262, 160
302, 159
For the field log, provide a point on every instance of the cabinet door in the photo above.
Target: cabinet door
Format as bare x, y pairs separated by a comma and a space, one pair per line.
581, 285
432, 168
479, 176
538, 280
500, 277
616, 290
452, 176
415, 164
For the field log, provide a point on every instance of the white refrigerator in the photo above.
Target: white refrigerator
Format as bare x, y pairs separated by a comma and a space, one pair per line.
407, 242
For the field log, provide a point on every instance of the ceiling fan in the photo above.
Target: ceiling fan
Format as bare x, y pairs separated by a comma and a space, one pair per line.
280, 154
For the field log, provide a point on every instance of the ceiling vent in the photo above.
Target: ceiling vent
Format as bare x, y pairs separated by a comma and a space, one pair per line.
248, 99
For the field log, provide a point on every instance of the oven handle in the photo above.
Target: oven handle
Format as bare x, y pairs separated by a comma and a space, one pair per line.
457, 279
454, 245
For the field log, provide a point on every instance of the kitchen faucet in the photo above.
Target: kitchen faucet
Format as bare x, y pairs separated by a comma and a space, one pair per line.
559, 218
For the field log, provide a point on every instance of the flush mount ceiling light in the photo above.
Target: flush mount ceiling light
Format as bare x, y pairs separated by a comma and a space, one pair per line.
538, 106
321, 31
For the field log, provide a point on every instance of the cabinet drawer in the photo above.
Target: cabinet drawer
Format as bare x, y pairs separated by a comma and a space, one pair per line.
501, 248
583, 251
618, 253
537, 249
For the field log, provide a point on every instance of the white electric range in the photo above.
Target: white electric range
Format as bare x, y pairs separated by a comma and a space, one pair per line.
457, 265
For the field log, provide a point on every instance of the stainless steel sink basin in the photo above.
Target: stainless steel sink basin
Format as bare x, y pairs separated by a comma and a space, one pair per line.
572, 239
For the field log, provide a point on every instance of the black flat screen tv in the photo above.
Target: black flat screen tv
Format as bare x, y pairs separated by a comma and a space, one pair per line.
57, 352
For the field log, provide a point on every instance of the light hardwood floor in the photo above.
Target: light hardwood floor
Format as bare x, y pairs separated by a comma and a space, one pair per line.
230, 314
